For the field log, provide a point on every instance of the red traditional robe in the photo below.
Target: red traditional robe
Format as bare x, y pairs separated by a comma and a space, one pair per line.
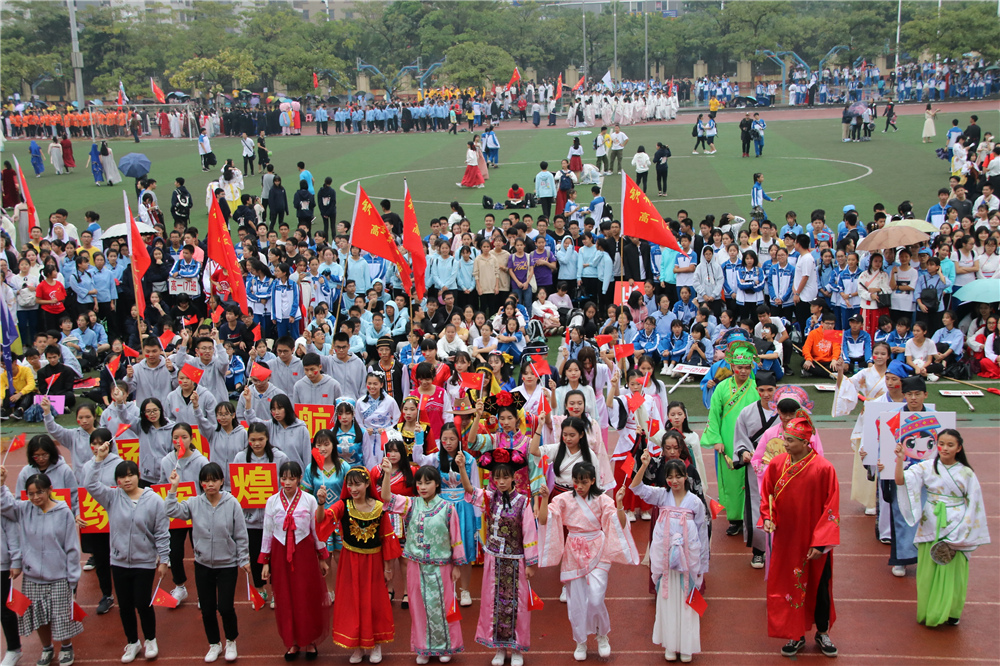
803, 501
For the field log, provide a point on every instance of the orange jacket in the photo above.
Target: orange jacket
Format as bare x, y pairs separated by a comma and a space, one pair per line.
822, 345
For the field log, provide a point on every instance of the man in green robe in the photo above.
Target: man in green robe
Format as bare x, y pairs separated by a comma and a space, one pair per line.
728, 400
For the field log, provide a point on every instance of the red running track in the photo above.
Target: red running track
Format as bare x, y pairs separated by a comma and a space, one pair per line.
876, 612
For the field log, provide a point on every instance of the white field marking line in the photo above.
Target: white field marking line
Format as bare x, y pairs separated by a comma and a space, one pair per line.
869, 171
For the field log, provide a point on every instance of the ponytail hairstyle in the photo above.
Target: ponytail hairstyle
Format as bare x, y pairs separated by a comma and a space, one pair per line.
256, 427
654, 382
404, 464
960, 456
585, 470
581, 427
685, 427
456, 378
346, 407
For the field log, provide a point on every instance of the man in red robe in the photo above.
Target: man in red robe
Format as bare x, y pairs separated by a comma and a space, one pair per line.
800, 509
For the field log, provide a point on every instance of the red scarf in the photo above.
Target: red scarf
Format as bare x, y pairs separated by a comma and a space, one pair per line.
289, 524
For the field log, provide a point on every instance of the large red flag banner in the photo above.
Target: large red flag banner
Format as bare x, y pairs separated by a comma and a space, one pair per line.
157, 91
514, 78
640, 219
370, 233
139, 257
412, 242
26, 195
559, 85
222, 252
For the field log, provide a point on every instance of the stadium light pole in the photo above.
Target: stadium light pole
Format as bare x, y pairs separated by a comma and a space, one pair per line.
614, 15
899, 21
645, 16
583, 10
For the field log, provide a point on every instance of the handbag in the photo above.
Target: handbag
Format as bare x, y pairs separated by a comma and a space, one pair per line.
885, 300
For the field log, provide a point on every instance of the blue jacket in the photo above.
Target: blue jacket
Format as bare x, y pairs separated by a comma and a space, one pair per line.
729, 270
186, 269
567, 263
358, 271
676, 346
780, 282
81, 284
685, 312
442, 273
104, 281
749, 281
647, 342
279, 289
852, 347
465, 279
847, 283
894, 340
588, 255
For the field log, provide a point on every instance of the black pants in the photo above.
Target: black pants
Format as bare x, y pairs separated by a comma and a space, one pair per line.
546, 204
178, 535
277, 217
135, 589
248, 164
823, 599
642, 179
262, 159
8, 618
661, 180
99, 545
896, 315
801, 310
746, 146
328, 223
255, 536
592, 289
217, 592
700, 142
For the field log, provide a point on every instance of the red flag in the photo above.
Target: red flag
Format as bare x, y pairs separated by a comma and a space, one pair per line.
318, 457
17, 443
635, 401
412, 242
163, 599
624, 351
697, 602
138, 255
514, 78
157, 91
220, 250
78, 613
370, 233
384, 437
645, 379
49, 381
17, 602
641, 219
181, 447
472, 380
534, 601
540, 366
543, 406
545, 464
256, 333
190, 321
715, 508
26, 195
627, 466
579, 83
893, 423
454, 615
113, 365
122, 427
255, 599
260, 373
602, 340
192, 373
166, 338
559, 86
217, 314
129, 352
315, 80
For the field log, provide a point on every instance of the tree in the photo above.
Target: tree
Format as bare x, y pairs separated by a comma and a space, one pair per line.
229, 69
962, 28
473, 64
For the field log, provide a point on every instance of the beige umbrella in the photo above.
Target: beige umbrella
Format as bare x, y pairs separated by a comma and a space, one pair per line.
892, 237
919, 225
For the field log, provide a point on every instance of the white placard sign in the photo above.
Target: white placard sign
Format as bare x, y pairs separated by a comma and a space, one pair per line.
187, 286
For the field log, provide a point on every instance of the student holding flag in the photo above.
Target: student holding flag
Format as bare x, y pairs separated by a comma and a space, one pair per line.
140, 546
99, 543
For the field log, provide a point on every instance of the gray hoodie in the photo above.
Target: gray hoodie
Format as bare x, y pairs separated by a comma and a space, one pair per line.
150, 382
74, 440
180, 410
261, 401
153, 445
222, 446
293, 440
109, 420
50, 546
140, 537
214, 378
324, 392
352, 374
59, 474
219, 533
284, 376
187, 468
255, 517
10, 544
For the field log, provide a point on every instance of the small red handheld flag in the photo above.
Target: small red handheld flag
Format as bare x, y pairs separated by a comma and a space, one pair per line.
384, 438
256, 600
454, 615
256, 333
715, 508
17, 443
545, 464
121, 429
78, 613
472, 380
113, 365
543, 406
192, 373
540, 366
624, 351
17, 602
318, 457
635, 401
602, 340
163, 599
166, 338
697, 602
129, 352
260, 373
191, 321
217, 314
181, 447
49, 381
534, 601
627, 466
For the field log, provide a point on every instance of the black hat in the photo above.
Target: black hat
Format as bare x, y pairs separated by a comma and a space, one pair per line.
857, 318
914, 383
766, 378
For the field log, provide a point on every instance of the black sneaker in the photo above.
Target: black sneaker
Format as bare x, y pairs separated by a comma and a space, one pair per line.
792, 648
826, 646
66, 657
952, 621
105, 604
89, 566
734, 529
757, 562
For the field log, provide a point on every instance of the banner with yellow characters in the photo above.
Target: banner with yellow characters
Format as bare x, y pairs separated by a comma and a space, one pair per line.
93, 513
185, 491
253, 483
317, 417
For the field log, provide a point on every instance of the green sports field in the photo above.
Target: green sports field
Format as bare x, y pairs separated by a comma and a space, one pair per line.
803, 159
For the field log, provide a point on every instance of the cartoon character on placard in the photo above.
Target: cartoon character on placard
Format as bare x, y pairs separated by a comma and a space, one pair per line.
917, 433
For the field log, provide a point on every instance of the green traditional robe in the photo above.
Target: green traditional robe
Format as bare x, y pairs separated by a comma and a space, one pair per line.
728, 401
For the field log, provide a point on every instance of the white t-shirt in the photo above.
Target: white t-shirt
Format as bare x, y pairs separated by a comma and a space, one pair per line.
920, 354
758, 329
565, 476
618, 140
806, 267
903, 300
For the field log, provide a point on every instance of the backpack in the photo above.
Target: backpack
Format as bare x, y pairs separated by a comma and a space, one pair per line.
694, 131
596, 139
487, 202
565, 183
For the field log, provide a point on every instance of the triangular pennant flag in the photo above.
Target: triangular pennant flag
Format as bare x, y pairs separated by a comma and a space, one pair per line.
49, 381
696, 602
260, 373
17, 602
635, 401
122, 427
602, 340
715, 508
413, 242
113, 365
78, 613
535, 602
318, 457
255, 598
624, 351
192, 373
163, 599
627, 466
454, 615
579, 83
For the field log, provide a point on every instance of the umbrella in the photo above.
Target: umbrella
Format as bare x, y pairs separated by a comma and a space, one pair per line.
134, 165
980, 291
892, 237
178, 94
117, 230
919, 225
96, 102
992, 68
857, 108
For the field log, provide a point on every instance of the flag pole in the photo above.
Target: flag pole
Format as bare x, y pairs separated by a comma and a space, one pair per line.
621, 240
350, 240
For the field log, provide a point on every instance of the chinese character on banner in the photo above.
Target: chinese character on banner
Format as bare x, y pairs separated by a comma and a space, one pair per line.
317, 417
56, 494
185, 491
93, 513
253, 483
623, 290
128, 449
199, 442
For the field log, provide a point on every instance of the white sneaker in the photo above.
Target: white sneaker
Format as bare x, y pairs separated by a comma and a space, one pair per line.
870, 512
580, 653
231, 651
445, 658
646, 515
899, 571
685, 659
630, 515
11, 658
931, 377
376, 655
214, 651
562, 594
465, 599
694, 152
670, 656
421, 659
180, 593
356, 657
131, 652
516, 659
152, 651
499, 658
603, 647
